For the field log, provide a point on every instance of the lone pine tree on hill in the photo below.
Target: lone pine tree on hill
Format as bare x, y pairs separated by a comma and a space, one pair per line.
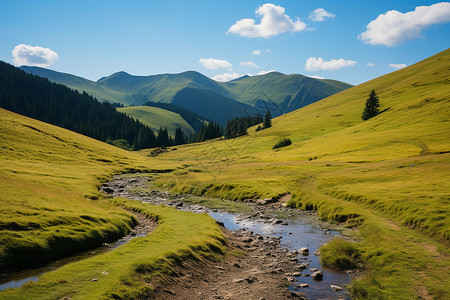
372, 105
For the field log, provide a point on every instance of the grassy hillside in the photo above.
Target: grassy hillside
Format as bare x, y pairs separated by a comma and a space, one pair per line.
157, 117
387, 177
51, 206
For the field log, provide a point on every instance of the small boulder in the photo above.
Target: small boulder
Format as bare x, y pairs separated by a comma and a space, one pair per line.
303, 251
318, 275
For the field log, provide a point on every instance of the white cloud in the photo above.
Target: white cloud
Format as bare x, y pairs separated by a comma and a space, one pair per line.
316, 76
273, 22
33, 56
214, 64
393, 27
370, 64
317, 63
258, 52
227, 76
320, 15
265, 72
249, 64
397, 66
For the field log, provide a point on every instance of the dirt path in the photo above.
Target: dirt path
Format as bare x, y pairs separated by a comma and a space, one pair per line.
255, 268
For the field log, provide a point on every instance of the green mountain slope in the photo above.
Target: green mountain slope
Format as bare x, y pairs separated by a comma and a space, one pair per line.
158, 88
78, 83
157, 118
386, 177
289, 92
38, 98
282, 93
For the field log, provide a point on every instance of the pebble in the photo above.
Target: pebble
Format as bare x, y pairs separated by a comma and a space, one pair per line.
336, 288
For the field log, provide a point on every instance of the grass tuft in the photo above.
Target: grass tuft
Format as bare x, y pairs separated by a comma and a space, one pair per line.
340, 254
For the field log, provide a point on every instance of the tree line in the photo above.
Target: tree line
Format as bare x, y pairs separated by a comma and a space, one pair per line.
53, 103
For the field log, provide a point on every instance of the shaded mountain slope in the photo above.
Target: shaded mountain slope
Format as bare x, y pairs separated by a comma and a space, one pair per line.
210, 105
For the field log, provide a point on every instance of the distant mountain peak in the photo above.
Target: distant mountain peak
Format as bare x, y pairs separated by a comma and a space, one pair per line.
240, 78
120, 74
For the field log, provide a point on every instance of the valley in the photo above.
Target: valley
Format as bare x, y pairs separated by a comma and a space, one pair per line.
384, 181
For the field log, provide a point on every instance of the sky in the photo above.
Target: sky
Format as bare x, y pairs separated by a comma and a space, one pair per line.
350, 41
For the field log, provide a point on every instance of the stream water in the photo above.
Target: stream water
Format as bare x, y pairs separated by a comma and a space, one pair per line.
18, 278
296, 234
296, 231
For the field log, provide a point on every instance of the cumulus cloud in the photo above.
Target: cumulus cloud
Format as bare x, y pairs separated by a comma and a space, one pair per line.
393, 27
214, 64
273, 22
26, 55
397, 66
317, 63
370, 64
249, 64
320, 14
227, 76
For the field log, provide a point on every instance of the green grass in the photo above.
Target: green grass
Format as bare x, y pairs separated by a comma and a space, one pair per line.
386, 177
340, 254
157, 118
51, 206
135, 269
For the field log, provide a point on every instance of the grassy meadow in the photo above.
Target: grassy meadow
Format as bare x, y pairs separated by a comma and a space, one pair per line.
387, 176
51, 207
157, 118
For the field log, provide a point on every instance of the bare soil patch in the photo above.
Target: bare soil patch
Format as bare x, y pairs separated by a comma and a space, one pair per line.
256, 267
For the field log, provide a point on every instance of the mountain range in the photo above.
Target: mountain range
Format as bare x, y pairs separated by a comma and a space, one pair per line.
218, 101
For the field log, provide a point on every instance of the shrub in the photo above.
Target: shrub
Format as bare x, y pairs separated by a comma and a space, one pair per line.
283, 143
340, 254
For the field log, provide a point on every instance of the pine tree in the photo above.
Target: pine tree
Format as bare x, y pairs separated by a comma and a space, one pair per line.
372, 105
163, 137
267, 120
179, 137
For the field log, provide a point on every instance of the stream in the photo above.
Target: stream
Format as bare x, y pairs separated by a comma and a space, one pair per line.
295, 229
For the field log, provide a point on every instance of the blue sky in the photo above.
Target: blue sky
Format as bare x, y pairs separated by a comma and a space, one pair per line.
93, 39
